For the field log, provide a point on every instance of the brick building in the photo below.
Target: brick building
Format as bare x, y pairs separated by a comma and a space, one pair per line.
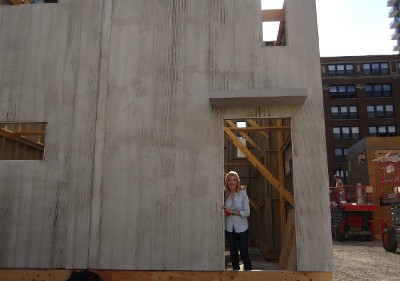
361, 99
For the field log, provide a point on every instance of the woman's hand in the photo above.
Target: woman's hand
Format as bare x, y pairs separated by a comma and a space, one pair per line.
227, 210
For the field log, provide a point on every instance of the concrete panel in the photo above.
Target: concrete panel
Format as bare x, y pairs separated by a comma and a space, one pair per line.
49, 58
138, 153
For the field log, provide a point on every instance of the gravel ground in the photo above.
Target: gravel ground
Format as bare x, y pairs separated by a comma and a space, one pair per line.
364, 260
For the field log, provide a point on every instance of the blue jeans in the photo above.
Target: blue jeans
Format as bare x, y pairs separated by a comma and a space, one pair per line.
239, 239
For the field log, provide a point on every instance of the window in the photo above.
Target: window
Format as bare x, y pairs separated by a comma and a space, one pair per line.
346, 133
371, 111
353, 114
378, 90
346, 69
355, 133
336, 133
335, 112
376, 68
22, 141
340, 154
342, 91
344, 112
380, 111
389, 111
382, 131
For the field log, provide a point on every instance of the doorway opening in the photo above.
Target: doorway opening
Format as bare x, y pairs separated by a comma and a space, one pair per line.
260, 151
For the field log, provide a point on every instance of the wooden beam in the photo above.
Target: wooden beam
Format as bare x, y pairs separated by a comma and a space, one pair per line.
273, 15
30, 133
260, 167
257, 129
165, 275
20, 2
286, 141
244, 135
281, 163
283, 218
287, 250
281, 178
281, 31
237, 164
255, 125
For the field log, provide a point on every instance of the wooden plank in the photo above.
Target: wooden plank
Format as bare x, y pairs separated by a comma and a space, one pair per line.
281, 177
129, 275
282, 211
281, 32
273, 15
24, 274
286, 142
237, 164
260, 167
292, 262
20, 2
256, 129
28, 133
287, 249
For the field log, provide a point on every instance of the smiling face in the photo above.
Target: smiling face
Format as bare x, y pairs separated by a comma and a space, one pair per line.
232, 183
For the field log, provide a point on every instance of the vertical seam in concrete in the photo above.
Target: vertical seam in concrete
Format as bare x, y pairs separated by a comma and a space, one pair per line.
96, 198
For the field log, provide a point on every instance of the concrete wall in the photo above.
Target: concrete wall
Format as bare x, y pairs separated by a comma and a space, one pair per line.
133, 164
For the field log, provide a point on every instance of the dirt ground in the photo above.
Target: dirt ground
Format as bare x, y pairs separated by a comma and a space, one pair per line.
364, 260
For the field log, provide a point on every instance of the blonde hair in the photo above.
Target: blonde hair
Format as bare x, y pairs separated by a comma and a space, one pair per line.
230, 174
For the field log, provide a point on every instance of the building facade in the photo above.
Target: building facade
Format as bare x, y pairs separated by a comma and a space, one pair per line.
361, 99
395, 24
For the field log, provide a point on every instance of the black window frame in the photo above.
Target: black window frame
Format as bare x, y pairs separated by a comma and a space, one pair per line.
343, 91
346, 133
378, 90
341, 69
379, 133
343, 114
374, 112
376, 68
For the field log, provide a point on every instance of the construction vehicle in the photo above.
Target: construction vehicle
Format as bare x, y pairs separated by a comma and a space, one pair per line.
351, 212
389, 177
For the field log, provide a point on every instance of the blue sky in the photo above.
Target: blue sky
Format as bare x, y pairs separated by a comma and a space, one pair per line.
351, 27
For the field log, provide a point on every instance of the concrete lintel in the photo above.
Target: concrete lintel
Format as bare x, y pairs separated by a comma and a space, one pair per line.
264, 97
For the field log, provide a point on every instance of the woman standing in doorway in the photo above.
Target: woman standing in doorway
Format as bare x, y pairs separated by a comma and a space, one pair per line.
237, 210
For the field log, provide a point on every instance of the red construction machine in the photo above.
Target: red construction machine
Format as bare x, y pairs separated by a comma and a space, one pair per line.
351, 212
389, 173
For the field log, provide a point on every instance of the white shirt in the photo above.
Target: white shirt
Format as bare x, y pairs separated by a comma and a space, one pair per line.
239, 203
